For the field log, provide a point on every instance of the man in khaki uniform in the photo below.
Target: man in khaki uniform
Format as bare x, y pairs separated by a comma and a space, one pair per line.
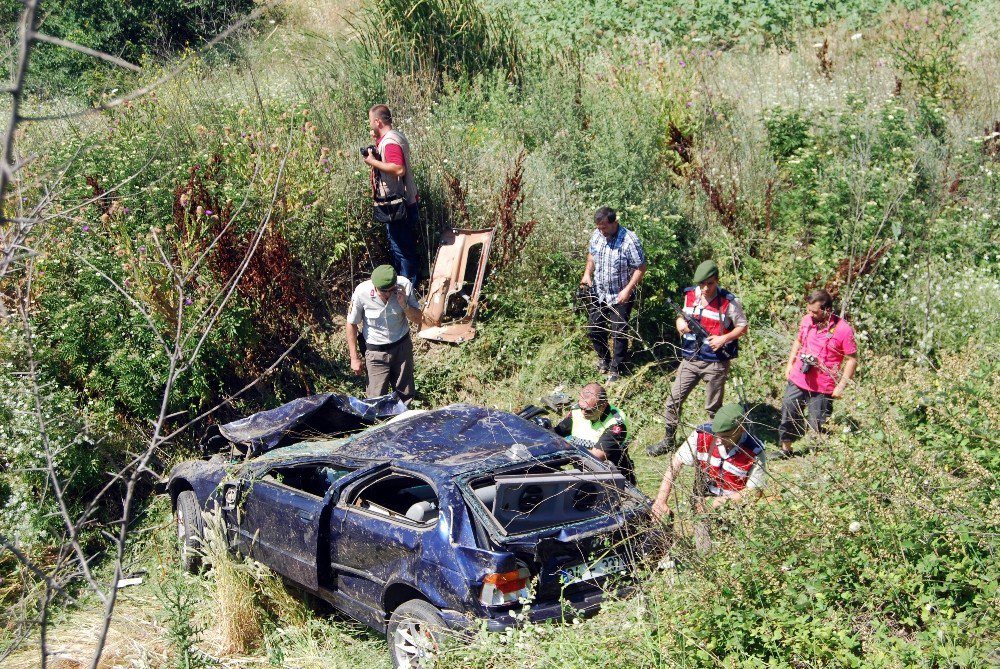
382, 306
720, 313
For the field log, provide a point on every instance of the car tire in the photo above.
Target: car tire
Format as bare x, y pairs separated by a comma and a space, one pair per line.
190, 530
415, 632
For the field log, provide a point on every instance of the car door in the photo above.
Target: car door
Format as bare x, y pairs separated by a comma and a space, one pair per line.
377, 528
281, 517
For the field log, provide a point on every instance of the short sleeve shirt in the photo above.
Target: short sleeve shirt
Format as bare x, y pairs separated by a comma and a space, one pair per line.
614, 262
829, 344
758, 472
381, 322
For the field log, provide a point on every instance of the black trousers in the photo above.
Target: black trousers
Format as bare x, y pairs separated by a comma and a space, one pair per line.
610, 319
796, 399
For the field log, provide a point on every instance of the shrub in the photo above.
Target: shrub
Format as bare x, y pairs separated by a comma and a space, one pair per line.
129, 30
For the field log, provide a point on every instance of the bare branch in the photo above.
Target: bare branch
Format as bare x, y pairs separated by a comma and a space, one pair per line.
42, 37
149, 88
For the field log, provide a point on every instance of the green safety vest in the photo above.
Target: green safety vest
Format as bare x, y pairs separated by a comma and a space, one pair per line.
586, 433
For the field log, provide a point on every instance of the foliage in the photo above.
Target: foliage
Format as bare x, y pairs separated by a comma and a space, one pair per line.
130, 30
181, 605
792, 173
448, 36
569, 24
931, 62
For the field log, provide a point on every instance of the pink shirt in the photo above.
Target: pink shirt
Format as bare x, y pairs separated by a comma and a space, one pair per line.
829, 344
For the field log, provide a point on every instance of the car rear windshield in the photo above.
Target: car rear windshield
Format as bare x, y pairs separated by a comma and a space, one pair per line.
541, 495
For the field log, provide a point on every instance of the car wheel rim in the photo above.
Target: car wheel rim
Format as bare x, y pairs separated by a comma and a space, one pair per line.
413, 642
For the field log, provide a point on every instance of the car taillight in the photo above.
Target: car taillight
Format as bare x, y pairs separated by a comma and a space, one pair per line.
505, 588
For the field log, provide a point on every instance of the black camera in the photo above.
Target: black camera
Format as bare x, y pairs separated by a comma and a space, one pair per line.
808, 362
369, 151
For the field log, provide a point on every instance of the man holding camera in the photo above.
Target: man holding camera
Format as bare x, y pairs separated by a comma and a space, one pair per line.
720, 314
814, 373
394, 190
616, 264
599, 427
382, 306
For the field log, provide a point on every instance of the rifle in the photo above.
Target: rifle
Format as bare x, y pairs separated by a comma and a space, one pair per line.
697, 329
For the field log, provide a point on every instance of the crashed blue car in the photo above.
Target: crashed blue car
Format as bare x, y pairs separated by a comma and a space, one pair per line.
433, 522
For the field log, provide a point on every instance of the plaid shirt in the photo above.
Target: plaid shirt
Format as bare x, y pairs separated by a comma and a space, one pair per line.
614, 262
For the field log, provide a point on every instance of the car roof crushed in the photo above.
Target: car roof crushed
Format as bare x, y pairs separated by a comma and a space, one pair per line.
458, 438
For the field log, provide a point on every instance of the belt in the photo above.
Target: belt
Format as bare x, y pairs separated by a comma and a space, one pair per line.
382, 348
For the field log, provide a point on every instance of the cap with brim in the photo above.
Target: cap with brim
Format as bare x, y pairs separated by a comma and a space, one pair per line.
705, 271
384, 277
728, 418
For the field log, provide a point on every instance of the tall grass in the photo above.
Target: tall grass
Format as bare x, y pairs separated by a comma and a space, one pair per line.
451, 37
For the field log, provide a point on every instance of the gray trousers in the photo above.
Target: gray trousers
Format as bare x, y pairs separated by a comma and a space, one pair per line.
391, 366
819, 405
689, 374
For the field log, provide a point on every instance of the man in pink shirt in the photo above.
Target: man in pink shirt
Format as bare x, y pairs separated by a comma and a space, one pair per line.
814, 373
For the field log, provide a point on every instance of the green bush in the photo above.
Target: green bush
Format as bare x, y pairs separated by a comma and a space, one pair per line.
129, 30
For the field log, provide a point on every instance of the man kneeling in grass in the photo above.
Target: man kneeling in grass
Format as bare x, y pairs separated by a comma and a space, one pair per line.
729, 462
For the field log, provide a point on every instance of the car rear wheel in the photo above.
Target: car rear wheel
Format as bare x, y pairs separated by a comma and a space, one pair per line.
190, 530
415, 632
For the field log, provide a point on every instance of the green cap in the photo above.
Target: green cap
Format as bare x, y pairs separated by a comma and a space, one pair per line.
728, 418
384, 277
705, 271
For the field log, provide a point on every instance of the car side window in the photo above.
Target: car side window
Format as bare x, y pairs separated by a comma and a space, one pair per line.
314, 479
398, 496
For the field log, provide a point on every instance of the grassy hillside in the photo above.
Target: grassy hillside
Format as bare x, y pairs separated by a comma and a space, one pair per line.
848, 145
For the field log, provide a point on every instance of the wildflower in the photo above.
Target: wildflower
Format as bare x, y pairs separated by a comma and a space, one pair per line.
188, 301
856, 36
208, 212
199, 211
86, 228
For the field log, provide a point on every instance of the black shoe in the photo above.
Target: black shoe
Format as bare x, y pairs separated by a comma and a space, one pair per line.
662, 447
602, 367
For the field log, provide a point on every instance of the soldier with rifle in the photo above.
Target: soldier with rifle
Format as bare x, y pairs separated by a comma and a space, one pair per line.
710, 323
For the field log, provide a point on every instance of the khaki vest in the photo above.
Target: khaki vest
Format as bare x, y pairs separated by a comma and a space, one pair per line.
389, 187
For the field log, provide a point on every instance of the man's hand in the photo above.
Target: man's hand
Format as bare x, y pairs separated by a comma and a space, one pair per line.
370, 159
624, 296
586, 281
682, 326
660, 509
717, 341
356, 365
838, 392
400, 297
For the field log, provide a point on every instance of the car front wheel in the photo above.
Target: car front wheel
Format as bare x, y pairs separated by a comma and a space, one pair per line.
415, 632
190, 530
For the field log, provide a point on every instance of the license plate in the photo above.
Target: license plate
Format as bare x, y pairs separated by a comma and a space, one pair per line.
612, 564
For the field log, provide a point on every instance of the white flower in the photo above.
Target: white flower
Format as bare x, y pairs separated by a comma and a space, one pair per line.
854, 527
856, 36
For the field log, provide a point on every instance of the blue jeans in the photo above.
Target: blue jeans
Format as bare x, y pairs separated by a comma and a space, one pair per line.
403, 243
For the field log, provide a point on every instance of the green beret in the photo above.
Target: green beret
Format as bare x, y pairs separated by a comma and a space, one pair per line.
705, 271
384, 277
728, 418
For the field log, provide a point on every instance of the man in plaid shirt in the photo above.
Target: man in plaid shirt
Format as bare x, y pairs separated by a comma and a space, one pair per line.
615, 266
